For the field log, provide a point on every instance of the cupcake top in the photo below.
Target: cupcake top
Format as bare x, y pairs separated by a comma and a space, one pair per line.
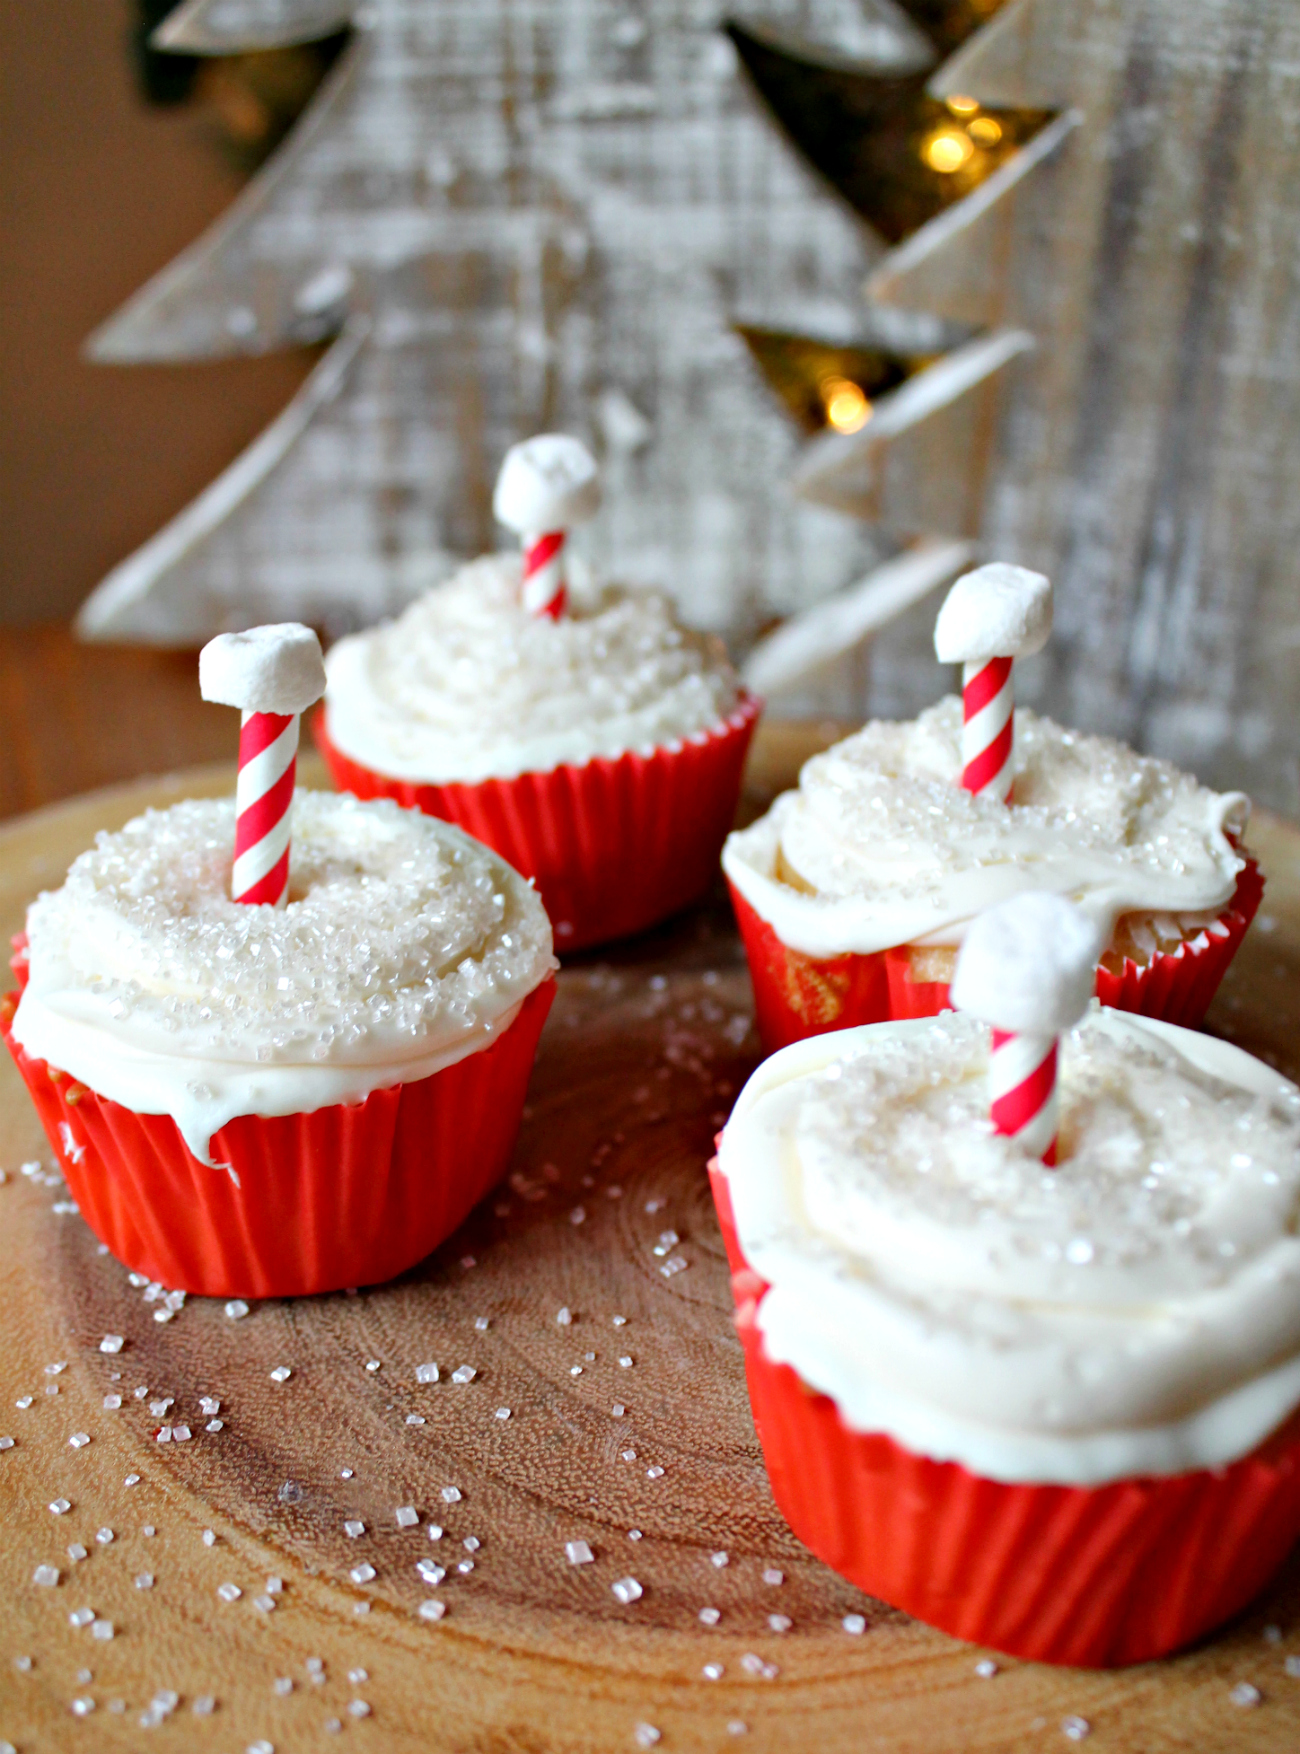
1135, 1310
881, 845
405, 945
467, 685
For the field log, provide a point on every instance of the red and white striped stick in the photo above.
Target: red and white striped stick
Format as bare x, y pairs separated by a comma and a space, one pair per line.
991, 617
547, 485
274, 674
1028, 968
1022, 1090
545, 587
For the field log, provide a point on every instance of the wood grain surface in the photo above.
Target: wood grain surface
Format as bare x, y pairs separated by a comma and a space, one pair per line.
643, 1054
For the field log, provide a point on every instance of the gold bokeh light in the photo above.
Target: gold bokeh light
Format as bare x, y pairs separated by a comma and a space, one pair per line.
847, 407
984, 131
947, 149
963, 106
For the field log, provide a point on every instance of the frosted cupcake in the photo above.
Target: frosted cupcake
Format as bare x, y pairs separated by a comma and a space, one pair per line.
854, 892
598, 747
266, 1099
1050, 1410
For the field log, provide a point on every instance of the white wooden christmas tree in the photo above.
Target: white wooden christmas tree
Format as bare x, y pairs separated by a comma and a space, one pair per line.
508, 218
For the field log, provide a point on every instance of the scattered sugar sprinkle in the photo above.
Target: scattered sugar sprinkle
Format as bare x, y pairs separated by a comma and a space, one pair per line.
144, 1580
564, 1316
482, 1324
283, 1685
719, 1559
281, 1373
503, 1412
773, 1576
986, 1668
464, 1373
111, 1343
855, 1624
779, 1622
1245, 1694
76, 1552
407, 1516
46, 1575
415, 1418
654, 1473
79, 1440
60, 1506
1075, 1728
1291, 1665
432, 1610
354, 1527
710, 1616
229, 1592
236, 1309
627, 1590
363, 1573
451, 1495
712, 1671
646, 1735
578, 1553
104, 1536
204, 1705
423, 1372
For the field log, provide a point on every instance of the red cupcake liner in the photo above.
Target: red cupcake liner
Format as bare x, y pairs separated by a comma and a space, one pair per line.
614, 844
797, 996
1092, 1576
347, 1195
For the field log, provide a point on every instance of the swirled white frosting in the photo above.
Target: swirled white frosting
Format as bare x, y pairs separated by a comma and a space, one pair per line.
467, 686
885, 847
404, 947
1134, 1311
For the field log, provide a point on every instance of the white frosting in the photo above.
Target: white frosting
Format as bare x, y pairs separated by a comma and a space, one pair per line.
997, 611
275, 669
404, 947
466, 685
1134, 1311
549, 482
891, 849
1028, 965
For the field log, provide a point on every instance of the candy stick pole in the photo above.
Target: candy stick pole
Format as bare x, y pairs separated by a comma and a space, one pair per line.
1022, 1090
1028, 968
547, 485
991, 617
273, 674
545, 586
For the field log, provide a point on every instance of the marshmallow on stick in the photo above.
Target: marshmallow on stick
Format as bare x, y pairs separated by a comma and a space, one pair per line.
1027, 967
273, 674
991, 617
547, 485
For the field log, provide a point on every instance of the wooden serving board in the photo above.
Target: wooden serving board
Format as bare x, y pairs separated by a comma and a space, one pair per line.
643, 1054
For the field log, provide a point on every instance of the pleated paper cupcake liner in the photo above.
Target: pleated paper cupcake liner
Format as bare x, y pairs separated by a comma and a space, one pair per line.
614, 844
1092, 1576
347, 1195
797, 996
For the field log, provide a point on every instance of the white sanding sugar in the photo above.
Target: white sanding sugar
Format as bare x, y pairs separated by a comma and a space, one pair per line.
398, 929
467, 683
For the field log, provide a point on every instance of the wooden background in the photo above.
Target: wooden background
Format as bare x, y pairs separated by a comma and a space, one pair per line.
644, 1051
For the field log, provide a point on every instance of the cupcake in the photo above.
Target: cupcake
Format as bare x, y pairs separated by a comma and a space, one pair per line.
580, 731
280, 1096
1051, 1410
854, 892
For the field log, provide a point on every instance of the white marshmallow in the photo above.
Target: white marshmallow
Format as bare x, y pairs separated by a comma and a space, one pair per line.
546, 483
1028, 965
277, 669
997, 611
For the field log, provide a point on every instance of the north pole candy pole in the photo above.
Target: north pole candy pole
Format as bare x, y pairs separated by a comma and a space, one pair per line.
273, 674
547, 485
1028, 968
991, 617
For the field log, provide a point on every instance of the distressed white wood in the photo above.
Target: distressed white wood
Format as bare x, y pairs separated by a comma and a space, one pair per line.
552, 222
1145, 455
790, 656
